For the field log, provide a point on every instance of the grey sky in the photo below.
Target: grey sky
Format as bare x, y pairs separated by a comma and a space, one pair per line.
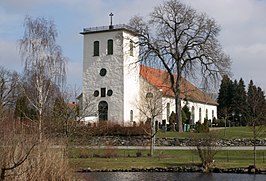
243, 25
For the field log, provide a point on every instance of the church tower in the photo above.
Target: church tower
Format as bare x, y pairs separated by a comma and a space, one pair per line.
110, 73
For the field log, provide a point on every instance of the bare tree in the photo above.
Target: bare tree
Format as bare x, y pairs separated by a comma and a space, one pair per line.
256, 114
43, 63
184, 43
150, 106
206, 147
8, 87
15, 148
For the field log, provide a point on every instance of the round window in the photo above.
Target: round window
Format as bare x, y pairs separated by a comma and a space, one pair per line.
96, 93
109, 92
103, 72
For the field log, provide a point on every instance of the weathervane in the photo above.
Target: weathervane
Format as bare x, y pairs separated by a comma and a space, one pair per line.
111, 17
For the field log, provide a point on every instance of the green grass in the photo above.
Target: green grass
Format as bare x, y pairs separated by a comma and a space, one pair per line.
228, 133
239, 132
80, 158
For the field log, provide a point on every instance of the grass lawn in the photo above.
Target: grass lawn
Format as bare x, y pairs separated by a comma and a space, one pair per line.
81, 158
226, 133
111, 158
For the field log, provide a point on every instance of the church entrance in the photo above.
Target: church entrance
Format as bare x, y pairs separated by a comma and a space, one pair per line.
103, 111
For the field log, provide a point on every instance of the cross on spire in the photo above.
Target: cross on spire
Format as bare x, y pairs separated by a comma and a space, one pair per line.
111, 16
111, 24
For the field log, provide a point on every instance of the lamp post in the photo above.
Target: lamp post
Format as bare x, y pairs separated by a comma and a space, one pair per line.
225, 125
233, 114
240, 119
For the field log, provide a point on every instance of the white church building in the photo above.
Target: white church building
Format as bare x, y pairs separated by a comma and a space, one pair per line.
115, 84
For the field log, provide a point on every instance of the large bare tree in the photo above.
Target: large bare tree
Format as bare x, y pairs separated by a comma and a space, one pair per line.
43, 63
8, 93
184, 42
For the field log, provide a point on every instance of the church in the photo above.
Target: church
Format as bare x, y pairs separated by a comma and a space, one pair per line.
116, 85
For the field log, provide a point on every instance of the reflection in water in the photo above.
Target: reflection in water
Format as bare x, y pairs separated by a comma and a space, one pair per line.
168, 176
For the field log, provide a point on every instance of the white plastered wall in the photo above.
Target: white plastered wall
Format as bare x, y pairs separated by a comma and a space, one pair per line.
212, 109
122, 74
145, 88
131, 78
113, 79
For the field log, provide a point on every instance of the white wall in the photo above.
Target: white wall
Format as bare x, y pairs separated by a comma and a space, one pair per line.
121, 78
197, 107
144, 104
131, 77
112, 80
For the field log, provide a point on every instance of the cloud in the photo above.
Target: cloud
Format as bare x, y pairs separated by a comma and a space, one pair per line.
242, 22
9, 55
16, 6
74, 73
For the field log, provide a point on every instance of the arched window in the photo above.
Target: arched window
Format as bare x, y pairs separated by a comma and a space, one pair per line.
199, 114
193, 114
131, 115
103, 111
110, 47
96, 47
206, 116
131, 48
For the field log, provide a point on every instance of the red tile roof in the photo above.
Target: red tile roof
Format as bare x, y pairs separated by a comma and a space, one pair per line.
160, 79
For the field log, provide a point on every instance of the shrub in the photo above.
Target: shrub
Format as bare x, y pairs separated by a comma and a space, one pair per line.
202, 128
138, 154
110, 152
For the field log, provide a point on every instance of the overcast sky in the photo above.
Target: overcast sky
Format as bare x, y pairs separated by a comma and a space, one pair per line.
243, 29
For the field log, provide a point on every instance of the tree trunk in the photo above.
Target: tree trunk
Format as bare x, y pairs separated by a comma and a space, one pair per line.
254, 143
178, 113
2, 177
40, 127
152, 138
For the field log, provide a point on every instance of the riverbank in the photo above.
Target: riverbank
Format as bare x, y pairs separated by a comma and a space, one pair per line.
182, 169
112, 159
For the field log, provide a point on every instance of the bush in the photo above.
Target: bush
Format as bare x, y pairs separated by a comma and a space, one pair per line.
23, 157
110, 152
110, 129
202, 128
215, 121
138, 154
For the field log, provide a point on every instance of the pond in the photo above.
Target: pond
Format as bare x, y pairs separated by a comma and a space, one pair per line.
168, 176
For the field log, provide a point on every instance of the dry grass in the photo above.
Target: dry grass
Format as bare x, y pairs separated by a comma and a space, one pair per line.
22, 157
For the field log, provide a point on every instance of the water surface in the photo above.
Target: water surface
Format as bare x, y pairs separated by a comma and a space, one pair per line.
168, 176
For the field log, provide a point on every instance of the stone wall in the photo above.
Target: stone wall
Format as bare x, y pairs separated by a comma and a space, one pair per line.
145, 141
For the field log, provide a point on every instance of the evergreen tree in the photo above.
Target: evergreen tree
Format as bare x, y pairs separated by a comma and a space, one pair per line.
240, 102
23, 109
186, 114
256, 103
252, 93
225, 97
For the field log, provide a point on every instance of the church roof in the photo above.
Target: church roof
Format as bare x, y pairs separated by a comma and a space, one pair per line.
161, 80
100, 29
